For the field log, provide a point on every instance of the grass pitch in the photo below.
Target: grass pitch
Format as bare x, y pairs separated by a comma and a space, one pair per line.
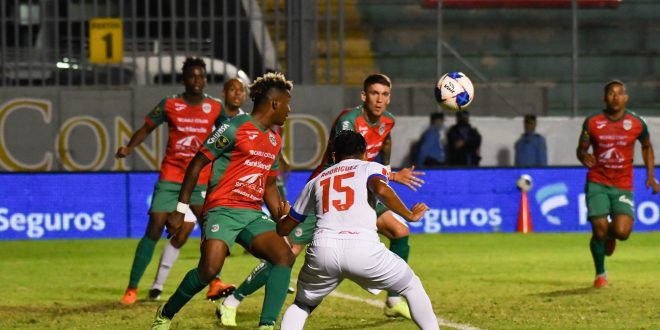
487, 281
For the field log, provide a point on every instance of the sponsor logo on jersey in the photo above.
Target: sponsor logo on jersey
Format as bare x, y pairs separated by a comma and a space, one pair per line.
627, 124
179, 106
252, 134
249, 185
217, 134
345, 125
206, 108
221, 142
257, 164
188, 142
600, 124
551, 197
262, 154
215, 228
610, 155
363, 130
381, 129
272, 139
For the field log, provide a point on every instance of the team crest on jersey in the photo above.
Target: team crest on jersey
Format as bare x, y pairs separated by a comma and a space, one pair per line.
179, 106
381, 129
221, 142
272, 139
346, 125
627, 124
298, 232
215, 228
206, 108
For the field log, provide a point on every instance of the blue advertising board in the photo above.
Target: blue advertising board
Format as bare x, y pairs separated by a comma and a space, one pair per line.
115, 205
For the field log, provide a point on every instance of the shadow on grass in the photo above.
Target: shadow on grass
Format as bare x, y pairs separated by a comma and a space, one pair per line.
58, 309
568, 292
366, 325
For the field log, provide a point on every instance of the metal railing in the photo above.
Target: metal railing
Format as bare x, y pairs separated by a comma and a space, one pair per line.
47, 42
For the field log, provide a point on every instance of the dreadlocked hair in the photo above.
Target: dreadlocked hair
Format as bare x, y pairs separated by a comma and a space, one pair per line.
260, 87
192, 62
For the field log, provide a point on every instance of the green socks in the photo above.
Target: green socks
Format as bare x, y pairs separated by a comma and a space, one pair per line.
401, 248
276, 287
598, 254
189, 287
143, 254
257, 278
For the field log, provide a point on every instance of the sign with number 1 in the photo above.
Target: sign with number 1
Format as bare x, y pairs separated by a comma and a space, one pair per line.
106, 40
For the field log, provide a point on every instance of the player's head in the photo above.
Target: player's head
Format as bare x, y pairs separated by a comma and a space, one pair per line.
615, 96
194, 75
272, 92
462, 117
529, 123
375, 94
437, 119
233, 93
349, 145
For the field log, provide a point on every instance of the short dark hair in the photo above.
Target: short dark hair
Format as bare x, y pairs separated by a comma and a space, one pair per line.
437, 115
612, 83
530, 118
260, 87
377, 78
225, 87
348, 144
192, 62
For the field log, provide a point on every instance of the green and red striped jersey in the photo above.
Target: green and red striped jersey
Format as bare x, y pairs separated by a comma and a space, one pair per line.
244, 155
188, 126
613, 144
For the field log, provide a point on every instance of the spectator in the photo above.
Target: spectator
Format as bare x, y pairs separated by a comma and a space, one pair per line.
431, 149
531, 148
463, 142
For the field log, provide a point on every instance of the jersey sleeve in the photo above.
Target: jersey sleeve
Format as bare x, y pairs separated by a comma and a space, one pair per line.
220, 141
585, 137
644, 134
304, 204
275, 169
377, 170
344, 123
156, 116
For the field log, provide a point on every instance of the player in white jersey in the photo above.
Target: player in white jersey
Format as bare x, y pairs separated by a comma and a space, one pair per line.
346, 244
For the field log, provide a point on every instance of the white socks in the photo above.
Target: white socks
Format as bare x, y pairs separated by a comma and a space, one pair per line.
421, 309
231, 301
391, 301
170, 254
294, 318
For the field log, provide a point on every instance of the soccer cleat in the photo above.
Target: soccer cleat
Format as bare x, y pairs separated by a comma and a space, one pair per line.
610, 245
154, 294
219, 289
130, 296
226, 314
399, 310
600, 282
161, 322
266, 327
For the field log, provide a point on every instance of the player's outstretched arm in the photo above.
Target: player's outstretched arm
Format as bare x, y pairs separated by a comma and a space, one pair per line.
408, 177
389, 197
649, 161
175, 219
135, 140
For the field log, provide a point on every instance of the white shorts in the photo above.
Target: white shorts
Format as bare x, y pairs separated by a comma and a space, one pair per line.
368, 263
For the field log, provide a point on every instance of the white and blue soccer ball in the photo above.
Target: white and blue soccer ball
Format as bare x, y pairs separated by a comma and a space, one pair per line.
454, 91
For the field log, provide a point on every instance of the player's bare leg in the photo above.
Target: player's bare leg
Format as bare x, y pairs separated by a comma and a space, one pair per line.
599, 233
398, 233
143, 254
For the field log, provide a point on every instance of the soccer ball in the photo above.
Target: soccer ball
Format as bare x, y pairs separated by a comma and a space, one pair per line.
454, 91
524, 182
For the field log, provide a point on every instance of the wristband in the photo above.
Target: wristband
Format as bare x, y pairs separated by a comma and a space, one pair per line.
182, 207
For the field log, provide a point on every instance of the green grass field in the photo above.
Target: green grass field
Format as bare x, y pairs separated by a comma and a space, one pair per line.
487, 281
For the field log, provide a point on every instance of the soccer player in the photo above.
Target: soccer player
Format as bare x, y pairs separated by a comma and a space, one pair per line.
233, 93
346, 242
190, 117
612, 134
374, 122
244, 152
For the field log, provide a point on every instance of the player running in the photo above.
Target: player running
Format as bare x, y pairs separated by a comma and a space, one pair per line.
612, 136
190, 117
244, 154
374, 122
346, 243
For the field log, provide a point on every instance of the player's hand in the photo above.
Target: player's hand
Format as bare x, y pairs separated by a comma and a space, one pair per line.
417, 212
588, 160
174, 223
653, 184
409, 177
283, 210
122, 152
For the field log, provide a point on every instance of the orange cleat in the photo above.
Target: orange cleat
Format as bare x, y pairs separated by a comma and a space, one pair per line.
610, 245
130, 296
219, 289
600, 282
